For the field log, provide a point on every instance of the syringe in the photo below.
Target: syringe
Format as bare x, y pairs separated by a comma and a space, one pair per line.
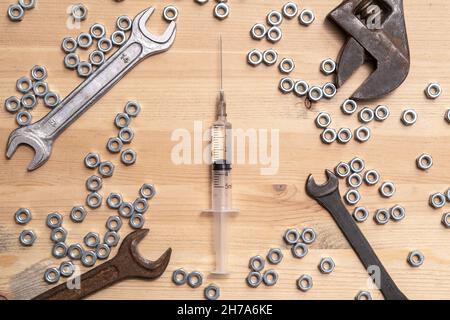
221, 193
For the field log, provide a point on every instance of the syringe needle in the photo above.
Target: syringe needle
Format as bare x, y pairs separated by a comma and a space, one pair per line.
221, 63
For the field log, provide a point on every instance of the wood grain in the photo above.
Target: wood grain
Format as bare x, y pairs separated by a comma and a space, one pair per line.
178, 88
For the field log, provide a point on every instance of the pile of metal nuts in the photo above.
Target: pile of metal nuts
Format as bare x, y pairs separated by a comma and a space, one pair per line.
194, 280
16, 12
32, 88
221, 9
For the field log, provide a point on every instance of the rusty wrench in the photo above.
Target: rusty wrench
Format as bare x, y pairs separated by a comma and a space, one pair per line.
328, 196
42, 134
125, 265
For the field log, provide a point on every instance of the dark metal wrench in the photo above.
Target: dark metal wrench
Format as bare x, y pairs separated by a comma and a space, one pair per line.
125, 265
328, 196
42, 134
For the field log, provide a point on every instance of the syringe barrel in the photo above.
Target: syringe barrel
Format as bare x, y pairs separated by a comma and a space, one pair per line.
221, 190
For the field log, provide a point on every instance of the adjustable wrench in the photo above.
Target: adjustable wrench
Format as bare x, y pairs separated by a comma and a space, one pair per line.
328, 196
126, 264
41, 135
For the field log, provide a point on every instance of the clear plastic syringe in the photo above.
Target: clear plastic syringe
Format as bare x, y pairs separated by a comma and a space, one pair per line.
221, 192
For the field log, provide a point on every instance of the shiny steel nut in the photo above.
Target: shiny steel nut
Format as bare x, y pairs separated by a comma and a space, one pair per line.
118, 38
326, 265
79, 12
75, 251
397, 213
132, 109
329, 90
437, 200
114, 145
328, 67
382, 113
27, 238
128, 157
363, 295
27, 4
92, 239
424, 162
114, 200
446, 220
447, 194
89, 258
270, 57
72, 61
344, 135
97, 31
140, 205
286, 65
147, 191
360, 214
274, 256
274, 18
58, 235
305, 283
22, 216
179, 277
290, 10
301, 88
355, 180
194, 279
254, 57
54, 220
15, 12
59, 250
114, 223
105, 45
258, 31
447, 116
51, 100
274, 34
137, 221
315, 93
52, 275
84, 69
170, 13
106, 169
122, 120
23, 118
78, 214
409, 117
97, 58
12, 104
416, 259
254, 279
433, 91
69, 45
67, 269
328, 136
387, 189
363, 134
221, 10
352, 197
94, 183
286, 85
92, 160
323, 120
111, 238
291, 236
306, 17
308, 235
102, 251
382, 216
201, 2
126, 210
84, 40
357, 165
24, 85
342, 170
257, 263
94, 200
371, 177
212, 292
270, 277
349, 107
40, 88
28, 101
299, 250
39, 73
366, 115
124, 23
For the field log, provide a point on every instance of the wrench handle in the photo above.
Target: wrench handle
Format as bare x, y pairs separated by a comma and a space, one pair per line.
333, 204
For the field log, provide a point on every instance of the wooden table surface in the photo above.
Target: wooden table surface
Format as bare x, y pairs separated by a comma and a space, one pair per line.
178, 89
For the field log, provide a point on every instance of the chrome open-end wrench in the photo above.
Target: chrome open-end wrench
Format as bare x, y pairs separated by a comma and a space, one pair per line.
42, 134
328, 196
